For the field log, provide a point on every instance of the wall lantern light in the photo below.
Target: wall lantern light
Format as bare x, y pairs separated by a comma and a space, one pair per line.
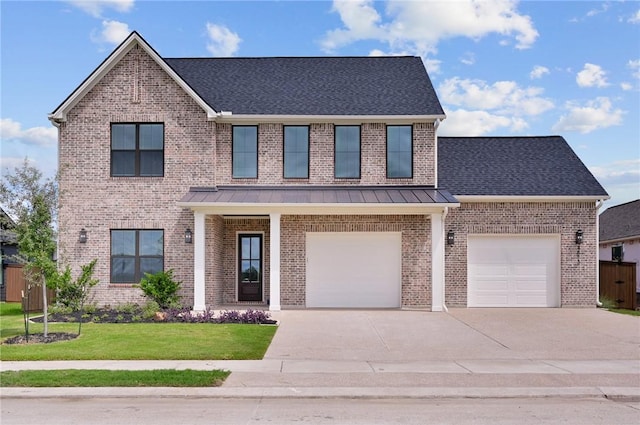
82, 238
188, 236
579, 237
451, 237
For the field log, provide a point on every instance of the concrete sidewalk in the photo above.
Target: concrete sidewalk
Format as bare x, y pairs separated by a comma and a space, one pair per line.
411, 354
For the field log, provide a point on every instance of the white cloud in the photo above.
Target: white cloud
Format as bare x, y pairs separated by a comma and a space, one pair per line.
418, 26
626, 86
592, 75
96, 7
113, 32
468, 58
9, 163
603, 8
538, 71
621, 179
504, 97
635, 19
462, 122
222, 41
634, 65
596, 114
11, 131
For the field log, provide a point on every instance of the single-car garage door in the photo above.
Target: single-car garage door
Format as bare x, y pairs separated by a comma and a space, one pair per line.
513, 271
354, 269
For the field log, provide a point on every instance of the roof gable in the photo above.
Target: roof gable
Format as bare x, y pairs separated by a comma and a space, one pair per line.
621, 221
514, 166
60, 113
341, 86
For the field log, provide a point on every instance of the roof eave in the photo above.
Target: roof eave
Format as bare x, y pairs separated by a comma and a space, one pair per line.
316, 208
530, 198
619, 239
259, 118
60, 113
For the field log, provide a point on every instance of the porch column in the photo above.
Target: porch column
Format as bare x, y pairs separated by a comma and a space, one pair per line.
437, 262
198, 262
274, 263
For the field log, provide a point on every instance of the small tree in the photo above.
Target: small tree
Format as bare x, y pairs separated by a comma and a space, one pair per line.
161, 288
74, 293
32, 202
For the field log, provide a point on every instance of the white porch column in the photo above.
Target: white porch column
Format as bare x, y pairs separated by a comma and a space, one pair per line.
274, 263
198, 262
437, 262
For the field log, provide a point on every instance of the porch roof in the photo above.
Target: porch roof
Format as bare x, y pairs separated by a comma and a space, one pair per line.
319, 196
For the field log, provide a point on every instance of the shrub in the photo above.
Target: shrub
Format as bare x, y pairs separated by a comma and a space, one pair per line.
74, 293
150, 309
161, 288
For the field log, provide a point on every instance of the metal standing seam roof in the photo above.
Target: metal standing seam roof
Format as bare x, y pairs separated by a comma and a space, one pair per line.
387, 85
318, 195
621, 221
513, 166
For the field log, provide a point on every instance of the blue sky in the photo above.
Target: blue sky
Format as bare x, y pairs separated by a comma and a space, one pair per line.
502, 67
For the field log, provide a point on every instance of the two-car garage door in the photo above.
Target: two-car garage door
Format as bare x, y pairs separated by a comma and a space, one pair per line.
354, 269
513, 271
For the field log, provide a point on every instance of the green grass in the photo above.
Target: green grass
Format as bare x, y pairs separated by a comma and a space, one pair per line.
137, 341
113, 378
625, 311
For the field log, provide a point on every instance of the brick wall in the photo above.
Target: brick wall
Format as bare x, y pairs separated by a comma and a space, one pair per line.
135, 90
321, 156
577, 263
416, 252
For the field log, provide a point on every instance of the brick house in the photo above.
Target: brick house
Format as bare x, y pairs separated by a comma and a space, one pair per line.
312, 182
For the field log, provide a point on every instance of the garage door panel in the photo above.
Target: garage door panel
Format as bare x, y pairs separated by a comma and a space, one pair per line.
354, 269
513, 271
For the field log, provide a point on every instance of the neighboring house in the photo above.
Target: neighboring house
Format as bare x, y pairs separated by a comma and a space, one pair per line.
312, 182
620, 235
8, 249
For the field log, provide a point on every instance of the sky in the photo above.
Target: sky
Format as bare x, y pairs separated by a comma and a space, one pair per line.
500, 67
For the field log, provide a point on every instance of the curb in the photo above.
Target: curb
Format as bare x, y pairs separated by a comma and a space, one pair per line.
627, 394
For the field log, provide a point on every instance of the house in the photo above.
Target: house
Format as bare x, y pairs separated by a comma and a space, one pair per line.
305, 182
8, 250
620, 235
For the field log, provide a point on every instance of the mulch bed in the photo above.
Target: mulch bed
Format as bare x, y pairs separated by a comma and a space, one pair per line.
40, 338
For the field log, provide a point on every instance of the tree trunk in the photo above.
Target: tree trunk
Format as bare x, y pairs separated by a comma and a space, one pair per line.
45, 307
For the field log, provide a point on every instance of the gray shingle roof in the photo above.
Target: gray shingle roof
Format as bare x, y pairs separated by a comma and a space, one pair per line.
621, 221
312, 85
319, 195
513, 166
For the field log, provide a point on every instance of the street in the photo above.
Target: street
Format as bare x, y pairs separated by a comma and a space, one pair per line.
158, 411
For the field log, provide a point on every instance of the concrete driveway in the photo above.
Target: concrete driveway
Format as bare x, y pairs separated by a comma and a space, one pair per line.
409, 336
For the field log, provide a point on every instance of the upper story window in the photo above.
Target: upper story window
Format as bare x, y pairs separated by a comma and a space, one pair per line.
134, 253
399, 152
245, 152
296, 152
137, 150
347, 151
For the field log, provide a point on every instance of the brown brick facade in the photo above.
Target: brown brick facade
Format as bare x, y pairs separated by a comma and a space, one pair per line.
197, 152
577, 263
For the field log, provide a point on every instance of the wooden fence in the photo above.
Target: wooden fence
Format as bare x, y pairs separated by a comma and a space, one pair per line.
618, 283
16, 286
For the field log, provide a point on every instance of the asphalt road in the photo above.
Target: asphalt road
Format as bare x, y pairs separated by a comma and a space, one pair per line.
159, 411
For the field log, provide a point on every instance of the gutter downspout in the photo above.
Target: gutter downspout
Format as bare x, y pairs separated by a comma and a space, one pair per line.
444, 290
598, 205
436, 124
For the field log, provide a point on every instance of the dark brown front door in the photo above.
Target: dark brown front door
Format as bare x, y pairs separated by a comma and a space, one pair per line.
250, 267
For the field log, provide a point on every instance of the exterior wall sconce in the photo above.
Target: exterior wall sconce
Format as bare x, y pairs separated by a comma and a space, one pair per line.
82, 238
451, 237
188, 236
579, 237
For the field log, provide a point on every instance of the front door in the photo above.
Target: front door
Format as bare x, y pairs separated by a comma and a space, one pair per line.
250, 267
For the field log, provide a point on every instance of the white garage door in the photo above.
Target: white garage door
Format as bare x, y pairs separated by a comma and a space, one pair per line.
354, 269
513, 271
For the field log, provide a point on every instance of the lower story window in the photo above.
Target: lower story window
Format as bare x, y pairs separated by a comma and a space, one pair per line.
134, 253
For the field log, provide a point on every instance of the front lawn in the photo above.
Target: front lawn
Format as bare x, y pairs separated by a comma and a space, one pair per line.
113, 378
137, 341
